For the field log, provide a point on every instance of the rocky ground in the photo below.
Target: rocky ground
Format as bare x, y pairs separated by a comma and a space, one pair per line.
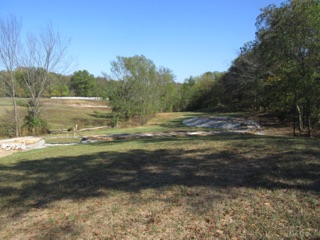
9, 146
225, 123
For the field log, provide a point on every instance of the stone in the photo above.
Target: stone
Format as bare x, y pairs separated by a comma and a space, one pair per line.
23, 143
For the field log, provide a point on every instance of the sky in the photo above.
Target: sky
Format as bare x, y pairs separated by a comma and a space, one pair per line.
190, 37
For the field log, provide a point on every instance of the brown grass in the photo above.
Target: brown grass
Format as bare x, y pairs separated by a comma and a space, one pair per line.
59, 114
217, 187
64, 114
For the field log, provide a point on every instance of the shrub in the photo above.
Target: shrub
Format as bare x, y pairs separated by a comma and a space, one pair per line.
22, 103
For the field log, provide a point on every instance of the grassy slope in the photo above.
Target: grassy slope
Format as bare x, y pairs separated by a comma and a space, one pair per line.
232, 187
60, 114
63, 114
66, 114
6, 116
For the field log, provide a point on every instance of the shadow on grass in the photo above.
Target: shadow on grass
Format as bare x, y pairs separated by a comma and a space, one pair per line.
40, 182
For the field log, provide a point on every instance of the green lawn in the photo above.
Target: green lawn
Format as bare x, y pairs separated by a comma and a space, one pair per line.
217, 187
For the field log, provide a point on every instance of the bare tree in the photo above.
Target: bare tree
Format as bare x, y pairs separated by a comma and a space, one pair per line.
10, 29
44, 53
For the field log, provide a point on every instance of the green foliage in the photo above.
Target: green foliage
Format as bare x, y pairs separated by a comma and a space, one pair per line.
58, 85
60, 90
187, 93
22, 103
101, 114
7, 130
167, 91
140, 90
102, 88
82, 83
201, 92
241, 86
35, 125
295, 29
114, 121
277, 70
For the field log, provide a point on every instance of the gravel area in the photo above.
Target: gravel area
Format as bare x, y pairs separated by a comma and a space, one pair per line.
226, 123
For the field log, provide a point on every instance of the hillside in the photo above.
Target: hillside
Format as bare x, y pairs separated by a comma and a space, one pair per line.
59, 114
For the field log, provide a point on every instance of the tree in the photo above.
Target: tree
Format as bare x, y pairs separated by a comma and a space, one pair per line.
200, 92
243, 84
43, 53
187, 93
279, 70
140, 90
204, 85
167, 89
289, 44
60, 88
10, 46
83, 83
136, 93
101, 88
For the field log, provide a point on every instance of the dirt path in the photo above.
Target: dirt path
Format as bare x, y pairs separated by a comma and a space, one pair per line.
4, 153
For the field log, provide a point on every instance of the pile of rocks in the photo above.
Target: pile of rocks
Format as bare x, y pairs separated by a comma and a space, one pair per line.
23, 143
227, 123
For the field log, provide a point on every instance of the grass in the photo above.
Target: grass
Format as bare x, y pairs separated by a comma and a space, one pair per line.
59, 114
6, 117
213, 187
217, 187
66, 114
73, 112
163, 122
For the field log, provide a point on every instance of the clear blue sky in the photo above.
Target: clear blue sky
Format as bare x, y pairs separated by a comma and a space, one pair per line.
188, 36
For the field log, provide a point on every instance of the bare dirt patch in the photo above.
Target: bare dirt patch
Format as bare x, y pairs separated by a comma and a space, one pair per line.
4, 153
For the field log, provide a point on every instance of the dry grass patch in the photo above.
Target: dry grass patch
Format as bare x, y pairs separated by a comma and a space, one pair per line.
64, 114
58, 113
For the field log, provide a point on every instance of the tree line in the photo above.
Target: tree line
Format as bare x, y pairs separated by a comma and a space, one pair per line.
278, 71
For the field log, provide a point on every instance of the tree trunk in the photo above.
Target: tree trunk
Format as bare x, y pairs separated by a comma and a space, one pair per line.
309, 126
315, 126
294, 118
16, 117
15, 107
300, 118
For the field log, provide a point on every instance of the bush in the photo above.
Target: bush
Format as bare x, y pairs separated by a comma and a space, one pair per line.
7, 130
35, 126
22, 103
101, 115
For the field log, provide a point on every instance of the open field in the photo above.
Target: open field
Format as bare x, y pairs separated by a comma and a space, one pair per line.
74, 112
59, 114
214, 187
